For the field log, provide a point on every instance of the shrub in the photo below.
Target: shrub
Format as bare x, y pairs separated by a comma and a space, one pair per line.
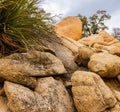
94, 23
22, 22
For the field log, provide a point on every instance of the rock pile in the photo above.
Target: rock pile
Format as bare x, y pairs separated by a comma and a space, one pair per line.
68, 76
97, 89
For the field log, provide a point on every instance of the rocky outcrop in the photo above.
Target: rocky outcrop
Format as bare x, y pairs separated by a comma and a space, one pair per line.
49, 96
23, 68
114, 85
107, 37
36, 63
65, 49
70, 27
20, 99
83, 56
63, 75
55, 95
91, 40
102, 41
105, 64
90, 93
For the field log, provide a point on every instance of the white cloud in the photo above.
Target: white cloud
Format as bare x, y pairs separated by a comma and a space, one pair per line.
59, 7
85, 7
114, 21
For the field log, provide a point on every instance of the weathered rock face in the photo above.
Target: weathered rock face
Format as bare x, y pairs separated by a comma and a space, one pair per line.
83, 55
91, 40
65, 49
112, 49
90, 93
15, 71
55, 95
49, 96
21, 68
3, 105
70, 27
102, 41
66, 56
105, 64
39, 63
106, 36
34, 88
114, 85
71, 44
102, 38
20, 99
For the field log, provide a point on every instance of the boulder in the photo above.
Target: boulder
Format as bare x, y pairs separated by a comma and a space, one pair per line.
106, 36
102, 38
20, 98
112, 49
91, 40
49, 96
105, 64
102, 41
3, 105
83, 55
66, 56
38, 63
71, 44
23, 68
114, 85
16, 71
115, 48
65, 49
90, 93
55, 95
69, 27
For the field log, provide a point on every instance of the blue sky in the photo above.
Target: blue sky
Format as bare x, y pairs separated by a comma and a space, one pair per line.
85, 7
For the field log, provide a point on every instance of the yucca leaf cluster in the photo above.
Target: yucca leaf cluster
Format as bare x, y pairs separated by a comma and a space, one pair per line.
22, 23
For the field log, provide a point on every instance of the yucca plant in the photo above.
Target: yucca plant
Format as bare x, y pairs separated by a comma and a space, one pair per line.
22, 22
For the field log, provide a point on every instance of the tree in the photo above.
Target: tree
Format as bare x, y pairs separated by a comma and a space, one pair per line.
116, 33
94, 23
22, 23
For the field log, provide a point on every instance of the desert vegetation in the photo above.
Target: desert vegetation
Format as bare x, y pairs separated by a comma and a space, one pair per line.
22, 22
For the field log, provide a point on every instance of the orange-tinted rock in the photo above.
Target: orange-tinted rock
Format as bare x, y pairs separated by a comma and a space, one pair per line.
105, 64
91, 40
107, 37
102, 41
70, 27
90, 93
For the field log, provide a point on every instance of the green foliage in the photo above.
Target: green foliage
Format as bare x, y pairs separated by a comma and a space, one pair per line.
94, 23
116, 33
22, 22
